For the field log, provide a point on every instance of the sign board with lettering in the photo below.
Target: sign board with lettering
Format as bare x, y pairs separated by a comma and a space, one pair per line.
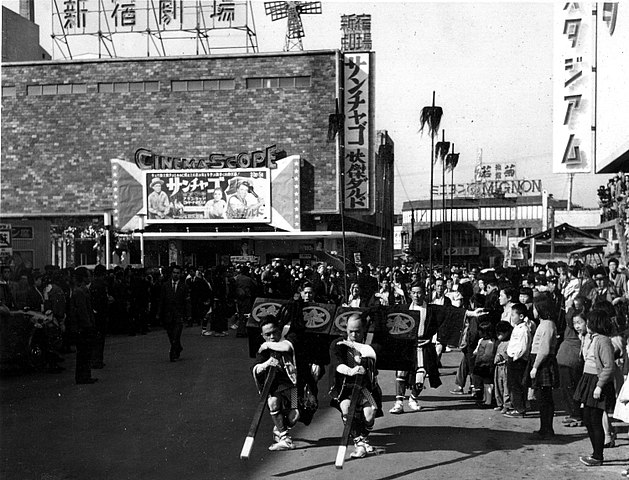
356, 108
208, 196
573, 99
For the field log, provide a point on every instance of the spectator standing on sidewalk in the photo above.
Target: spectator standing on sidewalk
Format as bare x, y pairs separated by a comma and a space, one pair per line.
543, 369
596, 387
100, 303
83, 324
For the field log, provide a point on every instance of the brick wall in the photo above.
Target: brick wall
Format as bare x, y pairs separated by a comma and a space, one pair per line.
56, 148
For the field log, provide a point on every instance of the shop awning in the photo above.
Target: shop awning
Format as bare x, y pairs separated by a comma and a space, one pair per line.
251, 235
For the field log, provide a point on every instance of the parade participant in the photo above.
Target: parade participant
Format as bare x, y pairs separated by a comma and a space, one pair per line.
282, 399
596, 387
439, 294
83, 325
354, 362
158, 202
356, 299
572, 286
427, 363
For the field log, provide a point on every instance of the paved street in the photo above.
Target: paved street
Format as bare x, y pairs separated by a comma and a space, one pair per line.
150, 419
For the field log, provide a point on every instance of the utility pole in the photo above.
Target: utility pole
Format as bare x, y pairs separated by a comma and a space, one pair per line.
571, 180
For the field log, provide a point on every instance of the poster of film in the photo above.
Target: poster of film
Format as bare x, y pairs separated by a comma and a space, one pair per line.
202, 196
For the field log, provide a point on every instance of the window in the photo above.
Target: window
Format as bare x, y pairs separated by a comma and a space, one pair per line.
202, 85
136, 86
151, 86
105, 88
63, 89
9, 91
33, 90
121, 87
275, 82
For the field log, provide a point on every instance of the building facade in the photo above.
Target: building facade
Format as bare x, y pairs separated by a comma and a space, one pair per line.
83, 142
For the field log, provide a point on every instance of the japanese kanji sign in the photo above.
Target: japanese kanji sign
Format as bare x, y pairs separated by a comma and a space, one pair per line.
573, 89
73, 17
202, 196
356, 32
494, 171
358, 165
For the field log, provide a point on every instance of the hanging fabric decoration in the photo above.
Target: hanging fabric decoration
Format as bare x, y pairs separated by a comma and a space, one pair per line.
430, 116
441, 150
452, 159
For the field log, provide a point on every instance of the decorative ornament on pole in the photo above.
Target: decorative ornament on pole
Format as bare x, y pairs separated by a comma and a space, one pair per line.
431, 117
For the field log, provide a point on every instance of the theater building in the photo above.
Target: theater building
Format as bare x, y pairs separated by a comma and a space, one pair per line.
195, 159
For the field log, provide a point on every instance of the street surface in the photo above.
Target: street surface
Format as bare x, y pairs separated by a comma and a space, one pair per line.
149, 419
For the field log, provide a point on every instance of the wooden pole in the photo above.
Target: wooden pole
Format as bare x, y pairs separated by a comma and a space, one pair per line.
257, 415
432, 181
443, 206
340, 454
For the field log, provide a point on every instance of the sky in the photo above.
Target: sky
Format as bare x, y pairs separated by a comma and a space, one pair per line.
489, 64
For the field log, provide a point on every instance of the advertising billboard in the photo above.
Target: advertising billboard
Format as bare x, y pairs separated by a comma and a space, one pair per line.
208, 196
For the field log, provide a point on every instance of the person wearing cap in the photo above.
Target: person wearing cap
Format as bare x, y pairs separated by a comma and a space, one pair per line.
158, 202
603, 291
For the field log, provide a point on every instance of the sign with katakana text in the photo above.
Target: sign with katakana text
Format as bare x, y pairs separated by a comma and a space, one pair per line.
358, 169
573, 102
202, 196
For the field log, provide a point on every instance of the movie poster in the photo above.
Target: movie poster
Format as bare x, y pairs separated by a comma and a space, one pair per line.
202, 196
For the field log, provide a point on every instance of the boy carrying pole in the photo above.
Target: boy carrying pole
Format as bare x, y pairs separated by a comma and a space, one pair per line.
354, 383
282, 391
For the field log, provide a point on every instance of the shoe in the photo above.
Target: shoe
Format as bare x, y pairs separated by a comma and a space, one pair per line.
625, 472
359, 452
568, 420
397, 408
576, 423
363, 442
610, 444
87, 381
504, 410
413, 405
276, 434
539, 435
234, 327
220, 334
458, 391
284, 444
515, 414
498, 409
207, 333
591, 461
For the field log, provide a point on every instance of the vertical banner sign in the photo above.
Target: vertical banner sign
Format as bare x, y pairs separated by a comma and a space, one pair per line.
573, 88
357, 131
6, 250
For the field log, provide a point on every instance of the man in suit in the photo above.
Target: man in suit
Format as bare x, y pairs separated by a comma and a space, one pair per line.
174, 309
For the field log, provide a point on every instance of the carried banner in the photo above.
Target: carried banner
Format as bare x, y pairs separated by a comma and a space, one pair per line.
394, 329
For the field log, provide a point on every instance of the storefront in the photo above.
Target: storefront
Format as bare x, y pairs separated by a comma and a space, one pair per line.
197, 159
